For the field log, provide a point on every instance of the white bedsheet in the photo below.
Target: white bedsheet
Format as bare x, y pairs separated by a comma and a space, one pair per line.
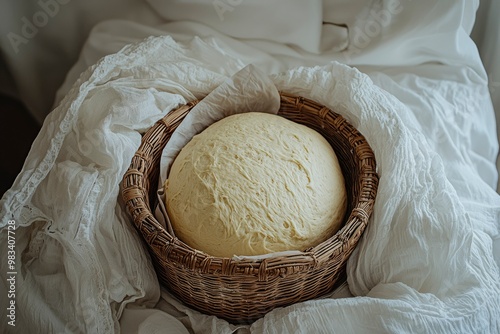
426, 260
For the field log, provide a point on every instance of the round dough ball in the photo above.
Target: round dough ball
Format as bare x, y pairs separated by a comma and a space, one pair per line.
255, 183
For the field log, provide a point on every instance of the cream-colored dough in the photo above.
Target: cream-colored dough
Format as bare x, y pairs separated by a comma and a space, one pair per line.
255, 183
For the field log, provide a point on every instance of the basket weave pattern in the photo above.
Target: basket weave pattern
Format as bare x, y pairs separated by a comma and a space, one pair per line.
243, 290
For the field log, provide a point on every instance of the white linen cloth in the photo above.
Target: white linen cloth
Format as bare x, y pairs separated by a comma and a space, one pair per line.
424, 262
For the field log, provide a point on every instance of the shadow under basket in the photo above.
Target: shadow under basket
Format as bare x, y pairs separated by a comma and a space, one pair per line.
243, 290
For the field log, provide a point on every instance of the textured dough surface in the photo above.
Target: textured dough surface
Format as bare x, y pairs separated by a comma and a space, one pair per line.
255, 183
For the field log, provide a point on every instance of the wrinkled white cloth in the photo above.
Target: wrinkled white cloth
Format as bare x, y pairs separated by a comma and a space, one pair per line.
424, 262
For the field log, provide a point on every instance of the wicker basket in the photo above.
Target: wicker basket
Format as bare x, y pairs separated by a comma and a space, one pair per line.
243, 290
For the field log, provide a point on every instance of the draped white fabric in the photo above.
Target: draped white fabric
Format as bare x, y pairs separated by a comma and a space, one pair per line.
417, 91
